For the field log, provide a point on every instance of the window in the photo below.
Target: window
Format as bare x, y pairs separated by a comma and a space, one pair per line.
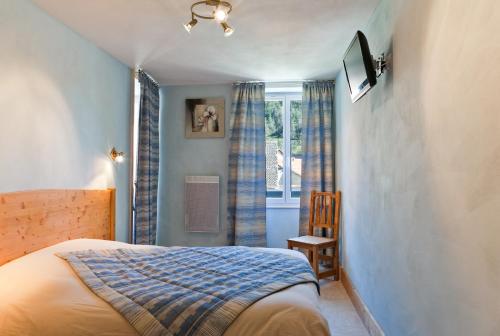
283, 148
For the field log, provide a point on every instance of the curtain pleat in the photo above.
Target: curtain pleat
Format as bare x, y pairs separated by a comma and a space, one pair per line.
247, 167
146, 191
317, 142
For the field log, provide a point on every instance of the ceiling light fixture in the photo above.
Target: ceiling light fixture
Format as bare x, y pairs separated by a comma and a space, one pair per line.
220, 11
228, 31
190, 24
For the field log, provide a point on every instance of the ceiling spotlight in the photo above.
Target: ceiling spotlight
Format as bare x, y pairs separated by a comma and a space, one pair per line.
220, 12
190, 25
228, 31
220, 15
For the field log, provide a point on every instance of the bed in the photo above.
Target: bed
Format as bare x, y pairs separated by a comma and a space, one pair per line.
42, 295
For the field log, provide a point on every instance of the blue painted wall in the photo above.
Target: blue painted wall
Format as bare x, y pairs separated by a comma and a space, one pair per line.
64, 103
282, 223
181, 157
418, 160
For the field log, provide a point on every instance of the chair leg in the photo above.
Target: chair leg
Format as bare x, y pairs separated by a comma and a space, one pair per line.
290, 247
310, 256
315, 261
335, 263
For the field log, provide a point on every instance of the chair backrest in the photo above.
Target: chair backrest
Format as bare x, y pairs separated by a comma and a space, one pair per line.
322, 213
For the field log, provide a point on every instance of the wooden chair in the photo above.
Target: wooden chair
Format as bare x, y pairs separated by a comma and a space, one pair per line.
320, 216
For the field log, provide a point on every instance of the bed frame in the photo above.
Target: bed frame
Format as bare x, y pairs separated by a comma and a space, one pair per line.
32, 220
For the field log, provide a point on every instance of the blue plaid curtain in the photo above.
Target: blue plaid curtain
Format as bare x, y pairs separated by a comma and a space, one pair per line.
317, 144
246, 216
146, 190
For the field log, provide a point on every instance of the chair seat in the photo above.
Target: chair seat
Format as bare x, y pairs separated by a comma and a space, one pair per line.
312, 240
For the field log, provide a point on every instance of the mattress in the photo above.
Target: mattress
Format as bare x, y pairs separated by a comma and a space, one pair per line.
41, 295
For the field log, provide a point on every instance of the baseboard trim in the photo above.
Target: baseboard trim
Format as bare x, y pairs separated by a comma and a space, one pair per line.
369, 321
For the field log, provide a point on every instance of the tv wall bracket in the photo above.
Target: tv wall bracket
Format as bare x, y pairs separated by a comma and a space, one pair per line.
380, 64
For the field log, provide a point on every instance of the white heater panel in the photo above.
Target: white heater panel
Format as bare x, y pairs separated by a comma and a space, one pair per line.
202, 204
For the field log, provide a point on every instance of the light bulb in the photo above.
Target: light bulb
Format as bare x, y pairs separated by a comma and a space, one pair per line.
220, 15
120, 158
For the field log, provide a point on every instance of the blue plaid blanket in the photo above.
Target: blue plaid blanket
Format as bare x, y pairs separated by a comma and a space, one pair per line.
186, 290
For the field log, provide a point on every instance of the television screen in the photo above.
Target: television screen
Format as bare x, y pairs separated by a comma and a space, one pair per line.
358, 65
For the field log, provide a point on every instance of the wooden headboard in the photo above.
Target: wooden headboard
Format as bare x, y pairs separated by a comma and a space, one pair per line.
32, 220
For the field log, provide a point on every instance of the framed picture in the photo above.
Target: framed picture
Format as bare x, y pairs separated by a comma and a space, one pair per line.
205, 118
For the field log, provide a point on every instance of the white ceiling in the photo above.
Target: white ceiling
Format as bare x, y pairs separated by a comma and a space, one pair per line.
274, 40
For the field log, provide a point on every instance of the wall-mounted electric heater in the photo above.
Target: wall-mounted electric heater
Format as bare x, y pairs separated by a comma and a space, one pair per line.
202, 204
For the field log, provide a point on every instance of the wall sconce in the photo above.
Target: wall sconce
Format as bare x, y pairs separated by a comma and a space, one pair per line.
116, 155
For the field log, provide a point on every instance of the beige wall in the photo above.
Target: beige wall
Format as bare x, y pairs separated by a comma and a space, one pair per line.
418, 160
64, 104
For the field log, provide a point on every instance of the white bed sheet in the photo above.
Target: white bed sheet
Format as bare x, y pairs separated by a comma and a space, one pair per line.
41, 295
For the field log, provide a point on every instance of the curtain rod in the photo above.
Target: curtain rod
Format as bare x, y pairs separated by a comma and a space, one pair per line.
137, 70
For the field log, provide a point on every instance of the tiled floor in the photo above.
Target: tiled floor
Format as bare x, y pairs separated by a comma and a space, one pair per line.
337, 308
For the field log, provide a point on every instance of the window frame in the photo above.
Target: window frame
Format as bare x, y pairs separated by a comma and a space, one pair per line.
287, 96
134, 155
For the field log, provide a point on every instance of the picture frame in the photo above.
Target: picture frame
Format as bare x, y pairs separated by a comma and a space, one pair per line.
205, 118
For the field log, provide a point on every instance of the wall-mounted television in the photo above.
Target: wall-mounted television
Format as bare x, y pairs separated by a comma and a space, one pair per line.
359, 67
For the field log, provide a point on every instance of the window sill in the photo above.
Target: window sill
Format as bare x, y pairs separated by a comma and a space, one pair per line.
282, 205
